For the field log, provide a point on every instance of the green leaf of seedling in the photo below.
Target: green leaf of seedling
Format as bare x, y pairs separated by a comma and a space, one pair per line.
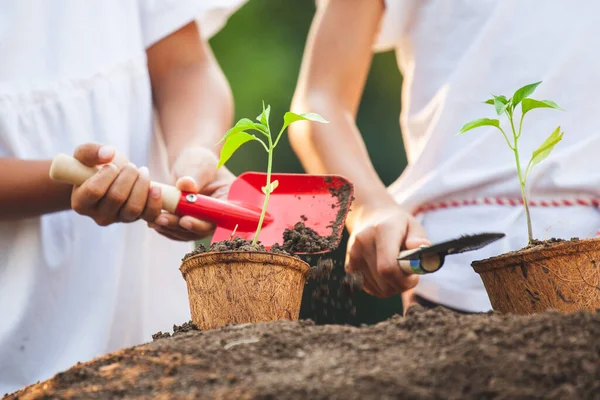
243, 124
502, 99
263, 118
500, 103
291, 117
232, 144
272, 186
545, 148
529, 104
524, 92
478, 123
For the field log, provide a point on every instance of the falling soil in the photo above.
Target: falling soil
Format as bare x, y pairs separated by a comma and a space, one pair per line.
352, 283
322, 295
430, 354
322, 270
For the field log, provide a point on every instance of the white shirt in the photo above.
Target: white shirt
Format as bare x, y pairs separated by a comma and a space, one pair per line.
72, 72
453, 55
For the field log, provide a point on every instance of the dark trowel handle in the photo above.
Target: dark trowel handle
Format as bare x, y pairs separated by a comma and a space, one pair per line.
426, 263
428, 259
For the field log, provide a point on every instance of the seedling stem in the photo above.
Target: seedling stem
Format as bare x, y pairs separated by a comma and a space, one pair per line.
238, 135
507, 106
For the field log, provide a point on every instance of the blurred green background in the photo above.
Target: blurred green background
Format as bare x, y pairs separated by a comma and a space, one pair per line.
260, 51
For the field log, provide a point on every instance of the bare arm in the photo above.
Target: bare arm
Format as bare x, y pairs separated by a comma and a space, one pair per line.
195, 107
332, 78
190, 92
26, 189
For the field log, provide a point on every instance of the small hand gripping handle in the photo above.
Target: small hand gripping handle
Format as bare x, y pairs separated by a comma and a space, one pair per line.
67, 169
226, 214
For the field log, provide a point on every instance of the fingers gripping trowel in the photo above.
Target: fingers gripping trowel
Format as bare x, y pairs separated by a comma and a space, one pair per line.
299, 197
428, 259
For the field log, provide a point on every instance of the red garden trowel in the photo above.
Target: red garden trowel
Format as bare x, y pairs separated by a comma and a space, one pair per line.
428, 259
298, 197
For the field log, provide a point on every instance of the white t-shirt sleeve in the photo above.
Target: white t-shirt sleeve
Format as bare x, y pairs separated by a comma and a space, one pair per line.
160, 18
393, 23
391, 26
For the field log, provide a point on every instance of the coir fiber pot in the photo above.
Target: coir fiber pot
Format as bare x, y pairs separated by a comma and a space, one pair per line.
243, 287
564, 276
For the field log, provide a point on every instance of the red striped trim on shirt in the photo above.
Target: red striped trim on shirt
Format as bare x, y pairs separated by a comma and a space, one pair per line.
503, 201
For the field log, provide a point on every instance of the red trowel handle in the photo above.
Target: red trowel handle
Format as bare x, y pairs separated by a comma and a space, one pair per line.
222, 213
242, 218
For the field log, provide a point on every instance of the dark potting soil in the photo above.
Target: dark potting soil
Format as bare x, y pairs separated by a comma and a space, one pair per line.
300, 239
235, 244
535, 244
303, 239
429, 354
548, 242
177, 330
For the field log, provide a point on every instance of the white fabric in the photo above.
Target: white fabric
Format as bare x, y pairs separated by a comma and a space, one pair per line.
452, 55
74, 71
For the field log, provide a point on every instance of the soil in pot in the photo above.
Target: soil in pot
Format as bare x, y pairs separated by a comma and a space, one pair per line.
429, 354
243, 283
237, 281
553, 274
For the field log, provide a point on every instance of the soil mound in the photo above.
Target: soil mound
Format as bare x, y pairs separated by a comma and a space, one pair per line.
429, 354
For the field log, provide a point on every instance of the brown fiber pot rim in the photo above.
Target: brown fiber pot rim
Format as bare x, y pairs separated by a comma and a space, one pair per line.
253, 257
537, 253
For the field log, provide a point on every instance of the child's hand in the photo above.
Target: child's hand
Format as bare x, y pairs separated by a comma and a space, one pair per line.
377, 234
118, 192
194, 171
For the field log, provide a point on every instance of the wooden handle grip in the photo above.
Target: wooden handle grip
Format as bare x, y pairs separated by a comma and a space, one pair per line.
67, 169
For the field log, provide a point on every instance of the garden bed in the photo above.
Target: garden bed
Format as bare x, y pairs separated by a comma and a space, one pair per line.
430, 354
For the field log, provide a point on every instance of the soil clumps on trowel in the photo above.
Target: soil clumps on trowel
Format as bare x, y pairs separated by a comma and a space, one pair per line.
299, 239
344, 200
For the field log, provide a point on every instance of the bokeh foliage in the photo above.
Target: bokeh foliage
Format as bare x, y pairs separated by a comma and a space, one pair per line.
260, 51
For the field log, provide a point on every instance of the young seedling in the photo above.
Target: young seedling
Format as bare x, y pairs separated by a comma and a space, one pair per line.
238, 135
506, 106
